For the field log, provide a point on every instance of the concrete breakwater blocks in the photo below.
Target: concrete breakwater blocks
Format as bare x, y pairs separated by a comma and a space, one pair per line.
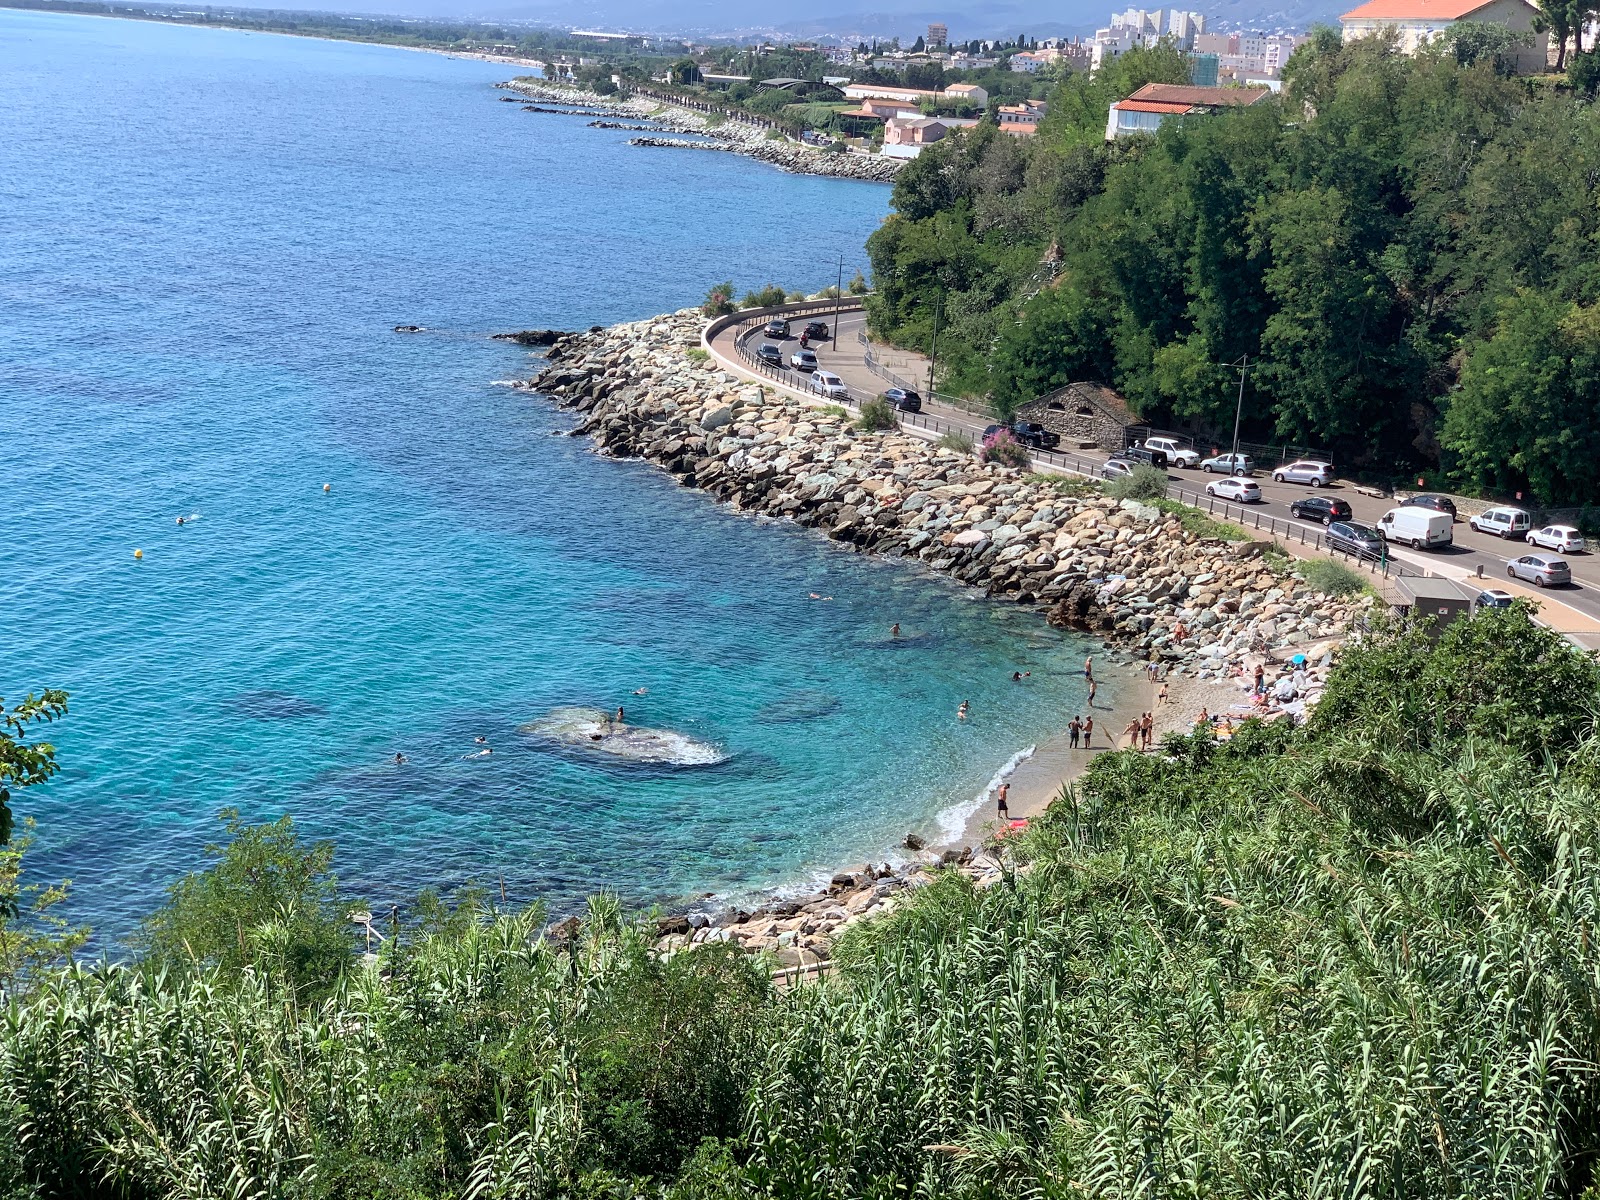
1126, 572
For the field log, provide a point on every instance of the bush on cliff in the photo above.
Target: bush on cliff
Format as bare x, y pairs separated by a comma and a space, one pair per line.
1000, 447
769, 296
719, 300
1349, 961
1144, 482
877, 415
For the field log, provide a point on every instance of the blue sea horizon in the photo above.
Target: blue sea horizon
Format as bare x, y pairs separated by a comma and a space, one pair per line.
206, 239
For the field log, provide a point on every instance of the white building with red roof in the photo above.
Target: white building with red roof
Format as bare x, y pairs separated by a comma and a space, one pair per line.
1152, 104
1418, 22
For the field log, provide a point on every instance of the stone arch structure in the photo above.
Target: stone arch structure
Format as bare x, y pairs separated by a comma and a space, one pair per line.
1082, 413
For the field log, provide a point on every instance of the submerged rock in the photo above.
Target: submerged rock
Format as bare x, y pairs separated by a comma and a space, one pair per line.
592, 729
798, 706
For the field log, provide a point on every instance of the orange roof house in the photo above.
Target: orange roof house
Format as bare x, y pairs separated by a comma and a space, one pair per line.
1418, 22
1152, 104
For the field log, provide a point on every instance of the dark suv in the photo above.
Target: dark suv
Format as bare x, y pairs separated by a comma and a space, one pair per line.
1351, 538
817, 331
904, 400
1437, 503
1031, 433
1147, 456
1325, 509
777, 328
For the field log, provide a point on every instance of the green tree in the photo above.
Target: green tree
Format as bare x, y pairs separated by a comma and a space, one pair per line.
268, 902
32, 936
1059, 338
23, 763
1527, 414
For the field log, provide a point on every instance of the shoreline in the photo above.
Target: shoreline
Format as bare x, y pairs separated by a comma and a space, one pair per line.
1125, 573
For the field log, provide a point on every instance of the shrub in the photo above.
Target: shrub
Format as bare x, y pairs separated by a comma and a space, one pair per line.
697, 354
858, 285
955, 440
768, 297
1000, 447
1333, 578
719, 300
796, 297
834, 410
1201, 523
837, 148
1069, 485
1145, 483
877, 415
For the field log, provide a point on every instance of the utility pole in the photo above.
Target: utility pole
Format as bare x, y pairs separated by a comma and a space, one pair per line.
1244, 365
838, 293
933, 347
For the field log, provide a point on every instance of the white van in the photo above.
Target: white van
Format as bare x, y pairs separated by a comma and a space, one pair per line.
1177, 455
1503, 522
1422, 528
826, 383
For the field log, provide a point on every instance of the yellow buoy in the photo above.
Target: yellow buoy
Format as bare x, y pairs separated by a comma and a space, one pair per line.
138, 553
327, 487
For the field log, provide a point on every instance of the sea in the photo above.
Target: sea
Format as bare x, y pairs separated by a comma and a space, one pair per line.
207, 237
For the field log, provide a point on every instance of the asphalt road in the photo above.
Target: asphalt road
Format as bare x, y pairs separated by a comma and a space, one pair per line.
1471, 552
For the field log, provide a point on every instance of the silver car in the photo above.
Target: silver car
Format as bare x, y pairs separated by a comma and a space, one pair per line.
1563, 538
1317, 474
1541, 570
1229, 464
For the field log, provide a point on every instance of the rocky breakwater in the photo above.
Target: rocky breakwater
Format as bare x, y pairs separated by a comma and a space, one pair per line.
1128, 572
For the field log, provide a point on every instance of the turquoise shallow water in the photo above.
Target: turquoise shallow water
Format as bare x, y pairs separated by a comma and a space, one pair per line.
205, 239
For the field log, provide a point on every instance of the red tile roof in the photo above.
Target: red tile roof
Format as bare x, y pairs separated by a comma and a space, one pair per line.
1216, 97
1155, 106
1414, 10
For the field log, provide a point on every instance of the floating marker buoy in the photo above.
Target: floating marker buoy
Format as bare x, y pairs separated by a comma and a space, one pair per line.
327, 487
138, 553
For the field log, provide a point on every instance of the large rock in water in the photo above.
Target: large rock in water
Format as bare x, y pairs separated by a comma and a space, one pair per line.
593, 729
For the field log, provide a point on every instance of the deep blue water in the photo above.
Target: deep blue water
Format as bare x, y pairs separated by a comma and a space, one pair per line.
206, 237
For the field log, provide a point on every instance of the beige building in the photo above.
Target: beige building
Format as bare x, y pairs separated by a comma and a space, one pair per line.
1418, 22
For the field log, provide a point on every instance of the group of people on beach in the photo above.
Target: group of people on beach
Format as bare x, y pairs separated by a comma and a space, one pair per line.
1140, 730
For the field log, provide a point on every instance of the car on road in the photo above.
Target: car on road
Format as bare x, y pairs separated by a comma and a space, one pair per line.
826, 383
1229, 464
803, 360
1245, 491
1559, 537
771, 355
1305, 470
904, 399
817, 331
1430, 500
1541, 570
1148, 455
1178, 455
1116, 468
776, 328
1502, 522
1035, 435
1324, 509
1420, 528
1492, 598
1351, 537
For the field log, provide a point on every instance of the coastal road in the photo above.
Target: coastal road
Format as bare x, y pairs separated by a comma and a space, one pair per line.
1574, 610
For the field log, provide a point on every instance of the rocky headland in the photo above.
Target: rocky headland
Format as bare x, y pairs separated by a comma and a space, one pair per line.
731, 135
1127, 572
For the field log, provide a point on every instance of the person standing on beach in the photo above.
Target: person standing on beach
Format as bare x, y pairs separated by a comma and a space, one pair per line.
1261, 680
1132, 734
1161, 696
1003, 791
1075, 731
1093, 688
1147, 726
1088, 731
1088, 668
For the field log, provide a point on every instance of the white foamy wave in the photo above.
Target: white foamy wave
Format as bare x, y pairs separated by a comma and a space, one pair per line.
510, 383
953, 820
593, 729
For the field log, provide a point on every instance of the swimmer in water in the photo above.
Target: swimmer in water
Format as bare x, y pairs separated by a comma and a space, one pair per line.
484, 753
619, 714
640, 691
961, 713
894, 630
480, 740
399, 758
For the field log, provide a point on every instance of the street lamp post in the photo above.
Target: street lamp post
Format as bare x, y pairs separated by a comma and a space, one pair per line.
933, 346
838, 294
1238, 410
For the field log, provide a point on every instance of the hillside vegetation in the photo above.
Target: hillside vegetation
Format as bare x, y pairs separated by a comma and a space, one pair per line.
1352, 960
1406, 249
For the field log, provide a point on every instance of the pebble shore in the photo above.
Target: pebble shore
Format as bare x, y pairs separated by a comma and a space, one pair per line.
1127, 572
737, 137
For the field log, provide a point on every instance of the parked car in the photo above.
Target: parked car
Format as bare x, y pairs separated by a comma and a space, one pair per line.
1541, 570
1178, 455
1229, 464
776, 328
1031, 433
1116, 468
1148, 455
817, 331
1245, 491
1502, 522
1350, 537
1326, 509
1559, 537
803, 360
1429, 500
770, 354
1305, 470
826, 383
904, 399
1420, 528
1492, 598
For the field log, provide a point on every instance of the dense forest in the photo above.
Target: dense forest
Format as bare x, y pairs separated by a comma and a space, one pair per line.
1355, 959
1405, 249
